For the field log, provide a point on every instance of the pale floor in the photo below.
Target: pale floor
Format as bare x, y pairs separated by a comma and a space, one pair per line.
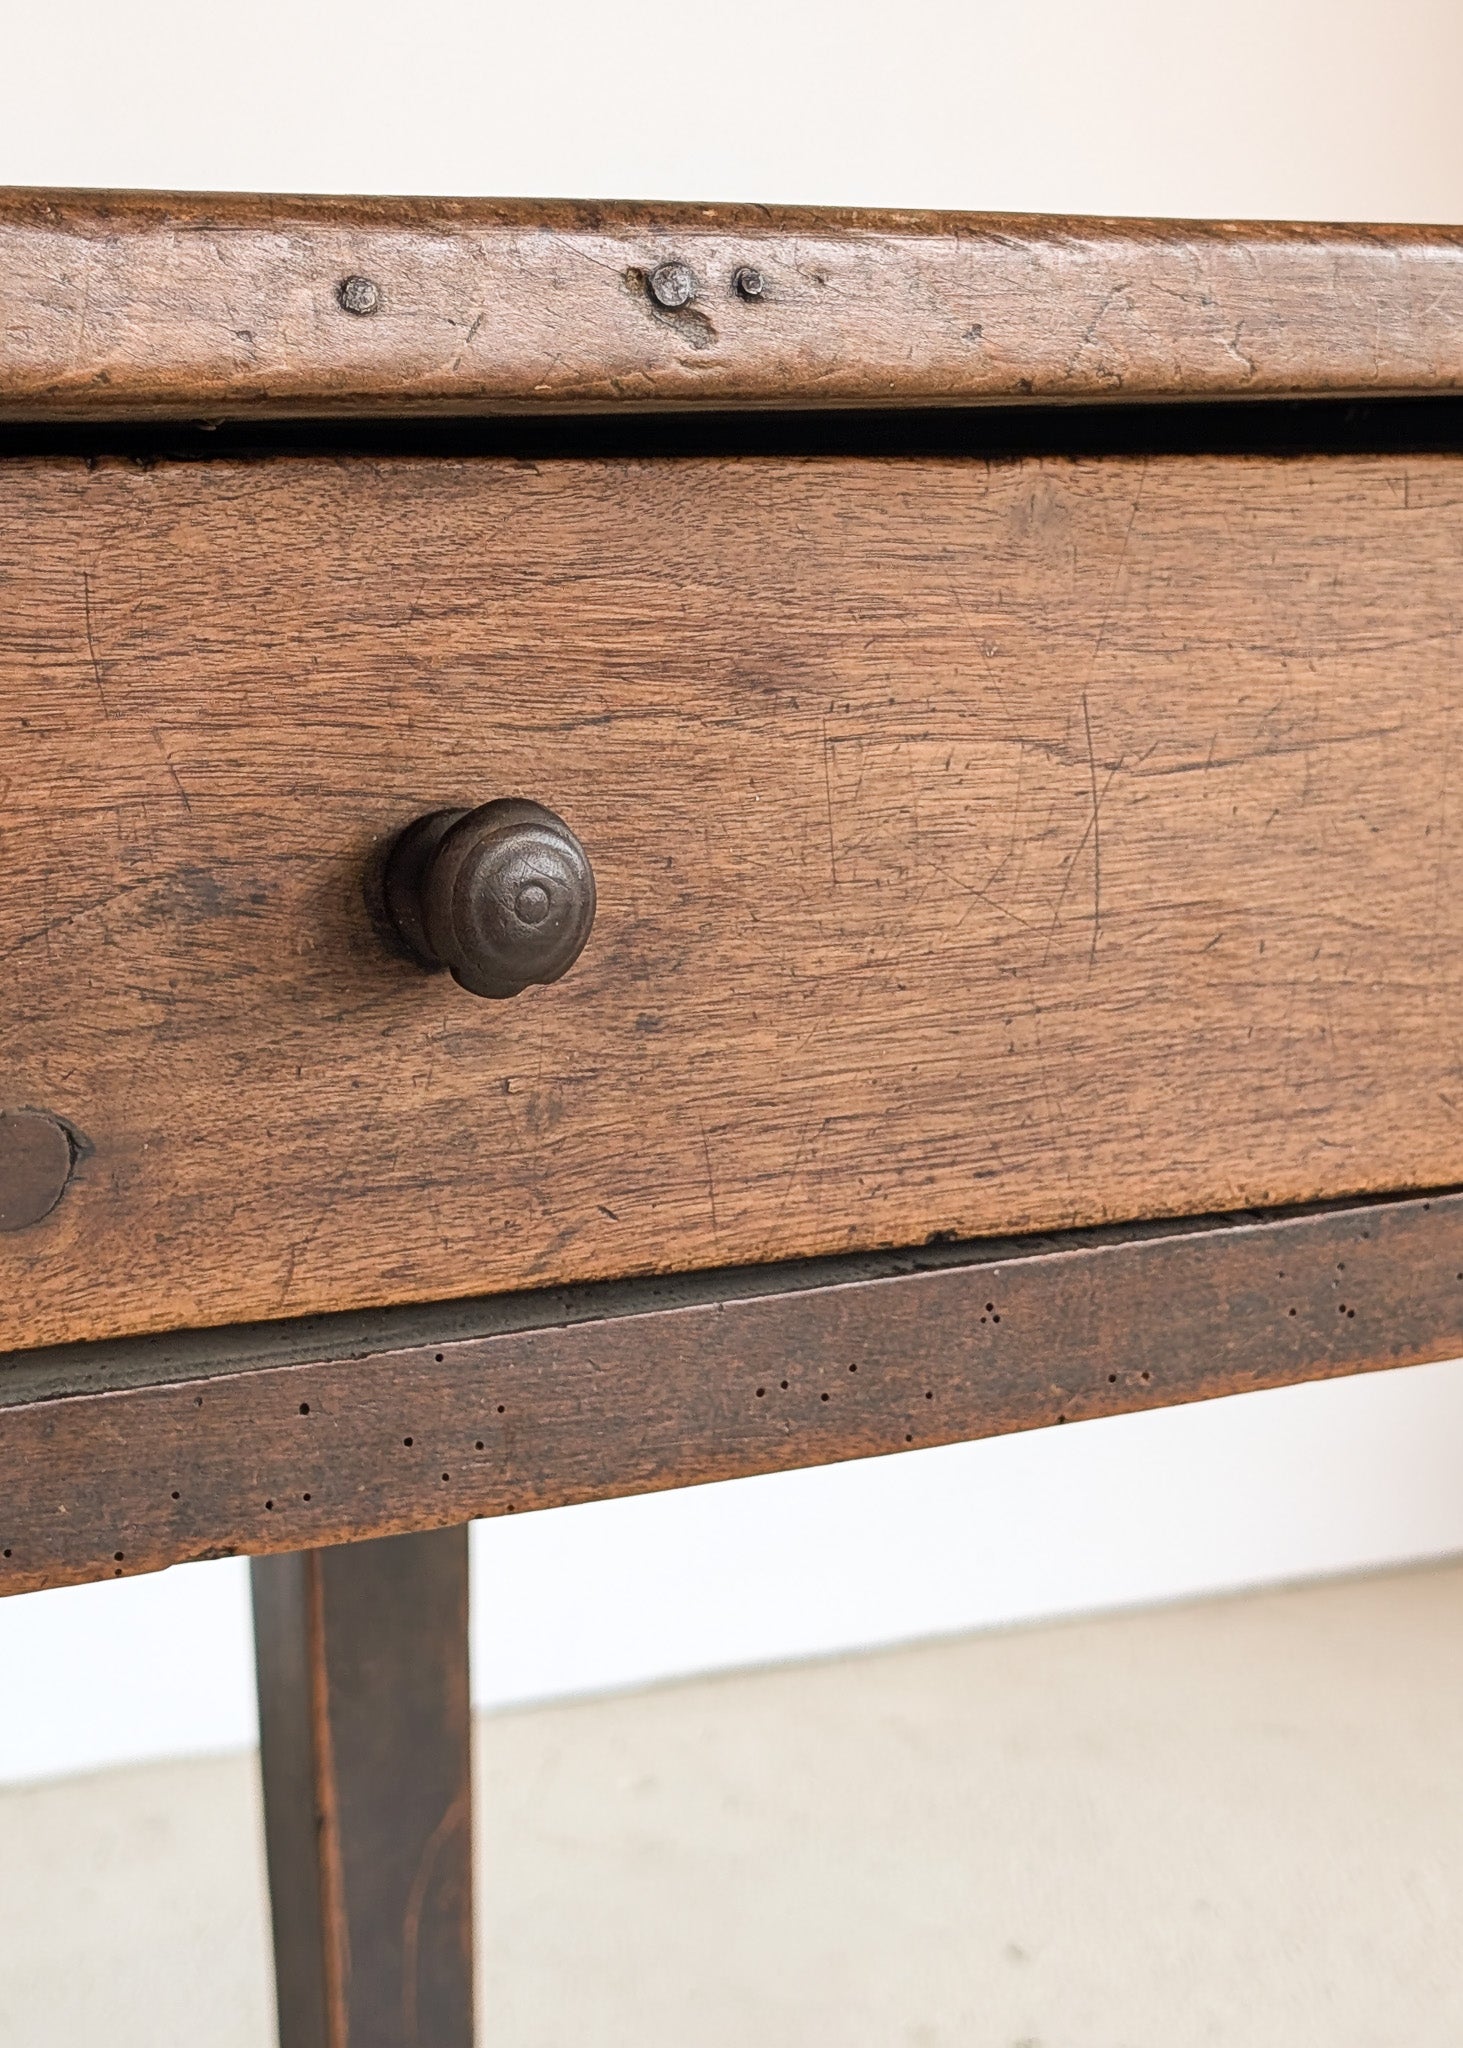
1239, 1822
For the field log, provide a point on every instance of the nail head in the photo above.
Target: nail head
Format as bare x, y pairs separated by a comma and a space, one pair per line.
672, 285
359, 295
749, 282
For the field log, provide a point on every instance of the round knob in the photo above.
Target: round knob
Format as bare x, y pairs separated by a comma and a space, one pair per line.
36, 1160
502, 896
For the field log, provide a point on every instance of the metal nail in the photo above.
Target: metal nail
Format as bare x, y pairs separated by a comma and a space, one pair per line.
359, 295
749, 283
672, 285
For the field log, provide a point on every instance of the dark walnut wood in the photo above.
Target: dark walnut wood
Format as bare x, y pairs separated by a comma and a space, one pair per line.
129, 305
503, 895
364, 1728
979, 848
325, 1434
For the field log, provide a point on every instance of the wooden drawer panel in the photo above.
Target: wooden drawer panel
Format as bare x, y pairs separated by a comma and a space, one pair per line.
979, 848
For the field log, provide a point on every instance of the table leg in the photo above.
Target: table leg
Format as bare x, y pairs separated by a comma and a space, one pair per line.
364, 1729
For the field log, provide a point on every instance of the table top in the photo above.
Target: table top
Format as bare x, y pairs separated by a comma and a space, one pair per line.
149, 305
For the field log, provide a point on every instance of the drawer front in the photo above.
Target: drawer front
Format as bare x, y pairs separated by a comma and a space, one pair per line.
978, 848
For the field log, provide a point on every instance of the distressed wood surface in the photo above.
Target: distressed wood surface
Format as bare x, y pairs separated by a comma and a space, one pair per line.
364, 1741
980, 848
146, 305
727, 1375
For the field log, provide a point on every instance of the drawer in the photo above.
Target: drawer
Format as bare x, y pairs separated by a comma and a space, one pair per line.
980, 847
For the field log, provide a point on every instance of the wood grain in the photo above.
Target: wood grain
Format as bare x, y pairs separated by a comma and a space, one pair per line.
131, 305
979, 847
365, 1729
727, 1375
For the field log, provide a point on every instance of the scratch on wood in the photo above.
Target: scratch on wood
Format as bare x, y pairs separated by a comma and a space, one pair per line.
1441, 864
42, 933
1096, 839
796, 1168
710, 1178
1088, 830
172, 771
828, 800
1117, 574
91, 645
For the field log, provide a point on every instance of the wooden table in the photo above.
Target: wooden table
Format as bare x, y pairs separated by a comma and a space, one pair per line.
986, 952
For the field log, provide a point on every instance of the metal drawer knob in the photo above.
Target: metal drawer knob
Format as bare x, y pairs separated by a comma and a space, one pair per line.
36, 1160
502, 896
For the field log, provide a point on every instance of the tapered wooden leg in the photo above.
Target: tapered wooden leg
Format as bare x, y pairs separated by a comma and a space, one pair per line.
364, 1735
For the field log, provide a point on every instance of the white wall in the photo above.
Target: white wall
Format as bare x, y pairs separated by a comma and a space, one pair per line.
1305, 108
1317, 108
